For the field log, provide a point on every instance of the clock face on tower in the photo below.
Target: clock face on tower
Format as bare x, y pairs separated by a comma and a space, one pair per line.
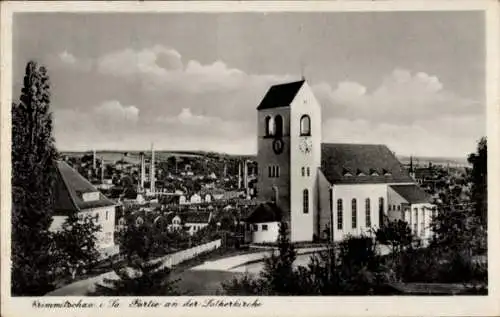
278, 146
305, 146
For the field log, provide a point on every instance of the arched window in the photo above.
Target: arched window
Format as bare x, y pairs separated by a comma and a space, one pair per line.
308, 171
278, 126
368, 216
305, 201
305, 125
354, 216
415, 223
275, 194
340, 214
381, 211
269, 126
303, 171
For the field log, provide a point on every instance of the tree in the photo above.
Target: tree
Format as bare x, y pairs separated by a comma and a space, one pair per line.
76, 244
33, 176
397, 234
139, 278
480, 180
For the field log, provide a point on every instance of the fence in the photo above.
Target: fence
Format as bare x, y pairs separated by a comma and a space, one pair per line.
181, 256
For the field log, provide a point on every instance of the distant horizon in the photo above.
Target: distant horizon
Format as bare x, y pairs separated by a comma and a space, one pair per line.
406, 156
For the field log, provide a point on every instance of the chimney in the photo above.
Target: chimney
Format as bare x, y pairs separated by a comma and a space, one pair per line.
239, 174
143, 171
152, 170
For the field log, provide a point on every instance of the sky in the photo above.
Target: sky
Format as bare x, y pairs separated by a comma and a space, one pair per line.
414, 81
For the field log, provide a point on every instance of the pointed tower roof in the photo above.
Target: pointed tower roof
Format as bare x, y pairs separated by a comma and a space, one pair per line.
280, 95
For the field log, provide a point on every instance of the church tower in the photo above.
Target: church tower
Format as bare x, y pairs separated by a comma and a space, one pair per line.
289, 155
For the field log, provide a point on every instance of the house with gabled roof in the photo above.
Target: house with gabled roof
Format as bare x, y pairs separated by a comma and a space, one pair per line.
325, 190
73, 193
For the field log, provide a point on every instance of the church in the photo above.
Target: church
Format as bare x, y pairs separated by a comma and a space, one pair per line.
326, 190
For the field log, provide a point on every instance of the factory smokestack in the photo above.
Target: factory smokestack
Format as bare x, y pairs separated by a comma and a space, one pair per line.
152, 170
239, 174
245, 174
143, 171
102, 170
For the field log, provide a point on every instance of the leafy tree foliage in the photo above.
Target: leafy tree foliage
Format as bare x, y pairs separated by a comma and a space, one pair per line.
397, 234
480, 180
33, 176
76, 244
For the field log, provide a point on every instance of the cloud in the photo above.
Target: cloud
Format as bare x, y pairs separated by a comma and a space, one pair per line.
402, 97
160, 67
114, 111
66, 60
448, 136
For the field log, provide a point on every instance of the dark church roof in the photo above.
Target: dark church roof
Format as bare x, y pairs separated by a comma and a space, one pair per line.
412, 193
361, 164
69, 188
266, 212
280, 95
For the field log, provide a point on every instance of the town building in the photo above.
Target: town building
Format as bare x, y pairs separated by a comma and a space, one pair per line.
75, 194
325, 191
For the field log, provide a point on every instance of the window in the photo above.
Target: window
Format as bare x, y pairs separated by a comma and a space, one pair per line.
255, 227
278, 123
394, 207
340, 214
303, 171
415, 211
264, 227
274, 171
308, 171
97, 217
269, 126
331, 200
381, 211
275, 194
399, 207
305, 201
368, 218
389, 207
354, 216
107, 214
305, 125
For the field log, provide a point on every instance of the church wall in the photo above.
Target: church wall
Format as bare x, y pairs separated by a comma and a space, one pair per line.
360, 192
266, 157
324, 212
395, 208
303, 224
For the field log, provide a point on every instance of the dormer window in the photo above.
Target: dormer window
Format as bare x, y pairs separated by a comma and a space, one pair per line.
360, 173
92, 196
386, 172
373, 172
346, 172
305, 125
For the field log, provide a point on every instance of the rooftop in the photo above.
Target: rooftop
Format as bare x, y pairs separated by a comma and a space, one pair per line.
266, 212
69, 190
280, 95
412, 193
361, 163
